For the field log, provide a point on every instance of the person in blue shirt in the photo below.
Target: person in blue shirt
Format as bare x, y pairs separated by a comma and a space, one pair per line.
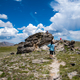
51, 49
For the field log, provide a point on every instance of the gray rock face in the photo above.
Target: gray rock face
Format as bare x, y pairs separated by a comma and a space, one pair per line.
34, 41
69, 44
61, 44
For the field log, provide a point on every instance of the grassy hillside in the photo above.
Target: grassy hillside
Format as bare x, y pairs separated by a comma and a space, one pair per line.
30, 66
35, 65
72, 61
7, 50
77, 44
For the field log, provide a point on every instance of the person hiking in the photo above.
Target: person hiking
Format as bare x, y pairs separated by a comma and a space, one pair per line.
51, 49
47, 32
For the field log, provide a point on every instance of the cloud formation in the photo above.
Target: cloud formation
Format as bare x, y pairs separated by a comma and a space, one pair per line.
67, 19
68, 15
65, 23
21, 28
7, 33
5, 24
75, 35
31, 29
3, 16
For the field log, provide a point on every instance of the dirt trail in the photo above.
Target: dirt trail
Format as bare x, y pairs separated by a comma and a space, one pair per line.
54, 72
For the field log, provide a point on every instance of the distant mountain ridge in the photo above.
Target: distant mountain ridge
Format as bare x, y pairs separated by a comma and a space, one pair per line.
6, 44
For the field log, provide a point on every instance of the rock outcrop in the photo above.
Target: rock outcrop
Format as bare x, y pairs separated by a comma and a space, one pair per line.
33, 42
69, 44
40, 40
61, 45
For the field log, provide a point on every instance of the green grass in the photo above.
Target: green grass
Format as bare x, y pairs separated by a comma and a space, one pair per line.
41, 68
26, 68
77, 44
69, 57
7, 50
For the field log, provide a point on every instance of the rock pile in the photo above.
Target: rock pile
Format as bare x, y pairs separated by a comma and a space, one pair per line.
33, 42
40, 40
62, 44
69, 44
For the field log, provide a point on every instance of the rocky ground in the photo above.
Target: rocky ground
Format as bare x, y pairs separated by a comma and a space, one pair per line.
30, 66
37, 65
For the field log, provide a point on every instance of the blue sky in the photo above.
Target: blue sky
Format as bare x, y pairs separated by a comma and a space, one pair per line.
21, 18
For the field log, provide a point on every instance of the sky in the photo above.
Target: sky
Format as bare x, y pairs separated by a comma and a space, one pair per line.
21, 18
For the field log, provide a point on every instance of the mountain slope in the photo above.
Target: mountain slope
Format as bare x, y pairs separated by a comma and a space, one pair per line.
6, 44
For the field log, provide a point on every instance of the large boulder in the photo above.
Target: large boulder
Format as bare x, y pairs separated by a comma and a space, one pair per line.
34, 41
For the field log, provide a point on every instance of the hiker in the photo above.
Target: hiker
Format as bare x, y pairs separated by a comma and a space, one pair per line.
47, 32
51, 49
60, 38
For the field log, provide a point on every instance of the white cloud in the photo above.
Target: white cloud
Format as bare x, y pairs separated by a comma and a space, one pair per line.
12, 35
64, 23
66, 19
68, 14
75, 35
17, 38
21, 28
40, 25
3, 16
30, 29
7, 24
8, 31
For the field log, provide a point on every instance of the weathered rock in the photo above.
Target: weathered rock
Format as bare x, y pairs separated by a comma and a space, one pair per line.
72, 42
69, 44
38, 40
44, 47
39, 60
33, 42
3, 78
70, 75
36, 61
28, 49
59, 47
1, 72
28, 44
62, 44
12, 53
78, 52
66, 42
21, 43
77, 48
